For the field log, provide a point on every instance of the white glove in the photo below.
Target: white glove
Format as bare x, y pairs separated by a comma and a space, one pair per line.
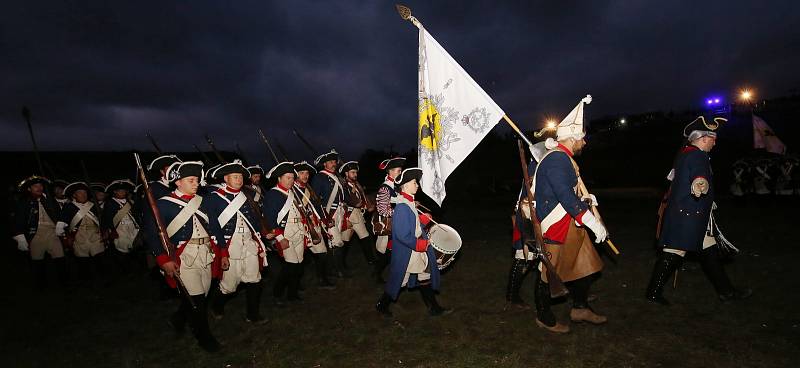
22, 243
591, 199
597, 228
61, 228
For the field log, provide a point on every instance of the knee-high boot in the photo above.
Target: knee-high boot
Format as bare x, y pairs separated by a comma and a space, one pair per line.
429, 297
320, 264
715, 271
665, 265
515, 276
253, 302
200, 327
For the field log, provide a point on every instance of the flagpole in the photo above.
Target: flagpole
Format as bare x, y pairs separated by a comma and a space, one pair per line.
405, 13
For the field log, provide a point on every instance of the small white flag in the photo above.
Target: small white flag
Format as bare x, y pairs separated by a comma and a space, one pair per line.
455, 114
764, 137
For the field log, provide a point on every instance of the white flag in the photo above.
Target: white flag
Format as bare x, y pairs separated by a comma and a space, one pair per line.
455, 114
764, 137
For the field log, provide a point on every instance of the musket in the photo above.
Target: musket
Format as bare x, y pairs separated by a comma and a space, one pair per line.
166, 244
269, 146
240, 154
305, 143
26, 113
214, 148
153, 142
203, 154
557, 287
282, 151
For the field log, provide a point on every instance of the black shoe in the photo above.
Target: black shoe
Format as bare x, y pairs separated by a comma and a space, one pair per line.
739, 294
665, 266
256, 320
383, 305
429, 297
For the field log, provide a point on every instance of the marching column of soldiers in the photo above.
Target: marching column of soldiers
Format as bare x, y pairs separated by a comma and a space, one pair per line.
208, 232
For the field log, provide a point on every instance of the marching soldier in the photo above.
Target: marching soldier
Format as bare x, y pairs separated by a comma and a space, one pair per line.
384, 204
290, 228
687, 223
413, 259
119, 223
58, 192
160, 187
256, 175
314, 212
80, 227
332, 194
99, 192
241, 228
195, 235
35, 220
565, 216
357, 205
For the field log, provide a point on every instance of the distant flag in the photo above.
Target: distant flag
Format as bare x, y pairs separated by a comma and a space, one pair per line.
455, 114
764, 137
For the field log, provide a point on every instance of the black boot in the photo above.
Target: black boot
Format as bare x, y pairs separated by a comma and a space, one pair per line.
666, 264
39, 274
293, 286
544, 315
715, 271
429, 297
515, 275
383, 305
218, 301
381, 260
345, 251
200, 326
368, 248
320, 263
281, 283
178, 319
341, 268
253, 301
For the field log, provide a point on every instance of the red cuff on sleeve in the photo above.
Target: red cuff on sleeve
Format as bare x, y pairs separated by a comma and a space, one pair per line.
424, 218
579, 218
422, 245
163, 258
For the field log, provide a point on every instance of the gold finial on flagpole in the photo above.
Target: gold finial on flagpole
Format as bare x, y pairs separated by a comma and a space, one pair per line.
404, 11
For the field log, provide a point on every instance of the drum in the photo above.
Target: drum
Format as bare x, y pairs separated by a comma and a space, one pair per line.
445, 242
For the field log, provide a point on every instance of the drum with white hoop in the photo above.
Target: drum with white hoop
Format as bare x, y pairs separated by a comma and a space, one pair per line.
445, 242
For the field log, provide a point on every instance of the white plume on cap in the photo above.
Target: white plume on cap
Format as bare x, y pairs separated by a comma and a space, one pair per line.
572, 125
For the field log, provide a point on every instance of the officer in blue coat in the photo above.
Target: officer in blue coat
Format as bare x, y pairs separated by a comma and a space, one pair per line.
199, 242
413, 262
686, 215
234, 210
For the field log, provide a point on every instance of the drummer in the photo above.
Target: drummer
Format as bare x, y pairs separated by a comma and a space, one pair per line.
413, 261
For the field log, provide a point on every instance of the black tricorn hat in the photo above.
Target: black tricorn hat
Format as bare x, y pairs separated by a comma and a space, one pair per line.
391, 163
325, 157
97, 187
280, 169
255, 169
180, 170
347, 166
161, 162
700, 128
74, 187
34, 179
234, 167
121, 184
408, 175
304, 166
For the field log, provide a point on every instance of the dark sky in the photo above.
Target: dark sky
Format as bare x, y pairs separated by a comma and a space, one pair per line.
344, 73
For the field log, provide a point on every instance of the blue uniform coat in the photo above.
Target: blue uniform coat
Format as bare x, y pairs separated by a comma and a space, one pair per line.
404, 242
685, 218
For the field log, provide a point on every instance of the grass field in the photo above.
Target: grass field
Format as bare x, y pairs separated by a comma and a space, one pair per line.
124, 326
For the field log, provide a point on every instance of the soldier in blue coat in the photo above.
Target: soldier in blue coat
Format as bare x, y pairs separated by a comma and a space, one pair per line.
198, 241
35, 217
233, 209
686, 216
332, 191
160, 187
413, 262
